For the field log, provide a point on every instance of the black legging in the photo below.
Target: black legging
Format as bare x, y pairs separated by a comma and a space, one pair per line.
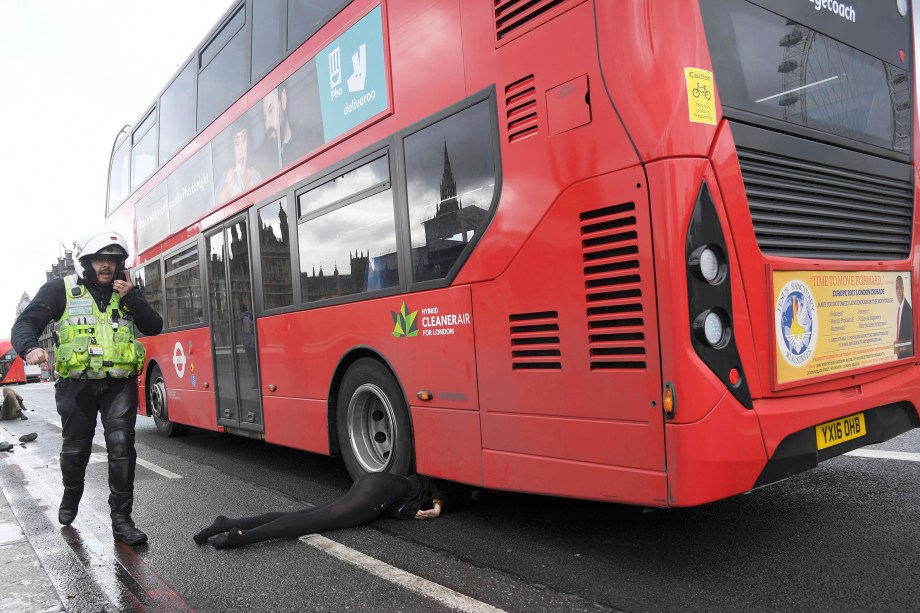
369, 497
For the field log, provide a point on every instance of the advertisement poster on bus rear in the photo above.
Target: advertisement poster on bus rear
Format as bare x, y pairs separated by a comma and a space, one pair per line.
830, 322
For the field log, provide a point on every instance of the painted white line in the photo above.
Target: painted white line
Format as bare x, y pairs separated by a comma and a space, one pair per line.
101, 456
428, 589
158, 469
885, 455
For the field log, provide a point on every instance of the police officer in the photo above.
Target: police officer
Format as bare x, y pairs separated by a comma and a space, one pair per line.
97, 361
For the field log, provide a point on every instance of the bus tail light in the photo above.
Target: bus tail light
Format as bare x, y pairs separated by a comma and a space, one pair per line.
710, 328
710, 297
708, 263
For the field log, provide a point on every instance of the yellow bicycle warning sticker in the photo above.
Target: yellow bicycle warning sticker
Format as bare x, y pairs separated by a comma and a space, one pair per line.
701, 95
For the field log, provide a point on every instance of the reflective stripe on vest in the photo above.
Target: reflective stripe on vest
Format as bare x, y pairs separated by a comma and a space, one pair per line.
93, 344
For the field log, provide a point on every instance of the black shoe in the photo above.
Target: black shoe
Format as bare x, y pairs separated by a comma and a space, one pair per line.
124, 530
28, 438
221, 524
70, 503
22, 415
231, 540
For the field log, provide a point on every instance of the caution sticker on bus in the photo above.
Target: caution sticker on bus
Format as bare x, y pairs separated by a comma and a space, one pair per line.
839, 431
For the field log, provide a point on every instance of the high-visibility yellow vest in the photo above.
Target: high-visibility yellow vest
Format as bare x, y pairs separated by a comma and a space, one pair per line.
93, 344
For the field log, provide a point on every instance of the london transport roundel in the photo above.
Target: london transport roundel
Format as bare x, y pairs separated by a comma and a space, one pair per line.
178, 360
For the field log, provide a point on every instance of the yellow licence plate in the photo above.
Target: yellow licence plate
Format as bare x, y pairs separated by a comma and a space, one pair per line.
839, 431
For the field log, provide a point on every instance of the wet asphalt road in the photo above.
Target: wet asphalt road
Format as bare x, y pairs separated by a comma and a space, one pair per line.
842, 537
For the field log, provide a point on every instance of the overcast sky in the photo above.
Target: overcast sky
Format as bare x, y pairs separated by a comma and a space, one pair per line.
71, 75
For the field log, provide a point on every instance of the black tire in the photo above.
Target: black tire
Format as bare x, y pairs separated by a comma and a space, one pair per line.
373, 422
159, 407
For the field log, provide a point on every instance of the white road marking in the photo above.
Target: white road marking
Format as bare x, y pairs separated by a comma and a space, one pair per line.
424, 587
99, 439
158, 469
885, 455
101, 456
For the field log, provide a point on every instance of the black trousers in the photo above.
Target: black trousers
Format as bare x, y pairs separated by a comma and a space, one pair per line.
369, 497
115, 401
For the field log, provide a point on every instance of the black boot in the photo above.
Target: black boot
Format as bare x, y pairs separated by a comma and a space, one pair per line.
123, 528
121, 500
74, 458
70, 502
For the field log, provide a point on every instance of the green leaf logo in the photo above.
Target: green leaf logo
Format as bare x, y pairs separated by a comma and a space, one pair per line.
404, 322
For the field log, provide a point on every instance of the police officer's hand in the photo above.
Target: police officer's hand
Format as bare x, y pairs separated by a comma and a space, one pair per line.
37, 356
123, 287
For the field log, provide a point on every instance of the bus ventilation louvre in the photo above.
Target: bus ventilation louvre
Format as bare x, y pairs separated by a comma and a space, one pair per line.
535, 341
521, 109
610, 252
805, 210
512, 16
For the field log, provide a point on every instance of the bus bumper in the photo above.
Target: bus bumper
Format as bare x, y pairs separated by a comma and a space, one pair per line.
733, 450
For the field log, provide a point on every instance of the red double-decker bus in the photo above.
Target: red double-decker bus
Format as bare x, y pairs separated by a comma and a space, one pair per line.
657, 253
12, 367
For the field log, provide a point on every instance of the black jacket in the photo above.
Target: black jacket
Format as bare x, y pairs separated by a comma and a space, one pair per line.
51, 300
423, 491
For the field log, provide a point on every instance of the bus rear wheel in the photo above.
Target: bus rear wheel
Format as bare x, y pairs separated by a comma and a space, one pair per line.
373, 421
159, 407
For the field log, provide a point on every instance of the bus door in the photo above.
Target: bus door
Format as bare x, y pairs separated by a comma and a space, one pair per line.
233, 329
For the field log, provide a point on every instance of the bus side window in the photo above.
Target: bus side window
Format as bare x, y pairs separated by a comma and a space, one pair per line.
183, 289
275, 248
348, 236
450, 182
148, 281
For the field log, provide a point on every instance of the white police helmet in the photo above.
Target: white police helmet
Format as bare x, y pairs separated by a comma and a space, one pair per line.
102, 243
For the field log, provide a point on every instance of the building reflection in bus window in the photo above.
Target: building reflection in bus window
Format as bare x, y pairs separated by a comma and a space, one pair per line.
217, 292
148, 281
349, 250
183, 289
240, 281
275, 248
450, 171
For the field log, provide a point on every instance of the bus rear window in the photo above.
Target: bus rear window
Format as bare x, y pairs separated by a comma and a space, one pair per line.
776, 67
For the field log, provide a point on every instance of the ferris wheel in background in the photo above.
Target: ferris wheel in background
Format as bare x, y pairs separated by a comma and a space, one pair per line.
796, 44
825, 80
